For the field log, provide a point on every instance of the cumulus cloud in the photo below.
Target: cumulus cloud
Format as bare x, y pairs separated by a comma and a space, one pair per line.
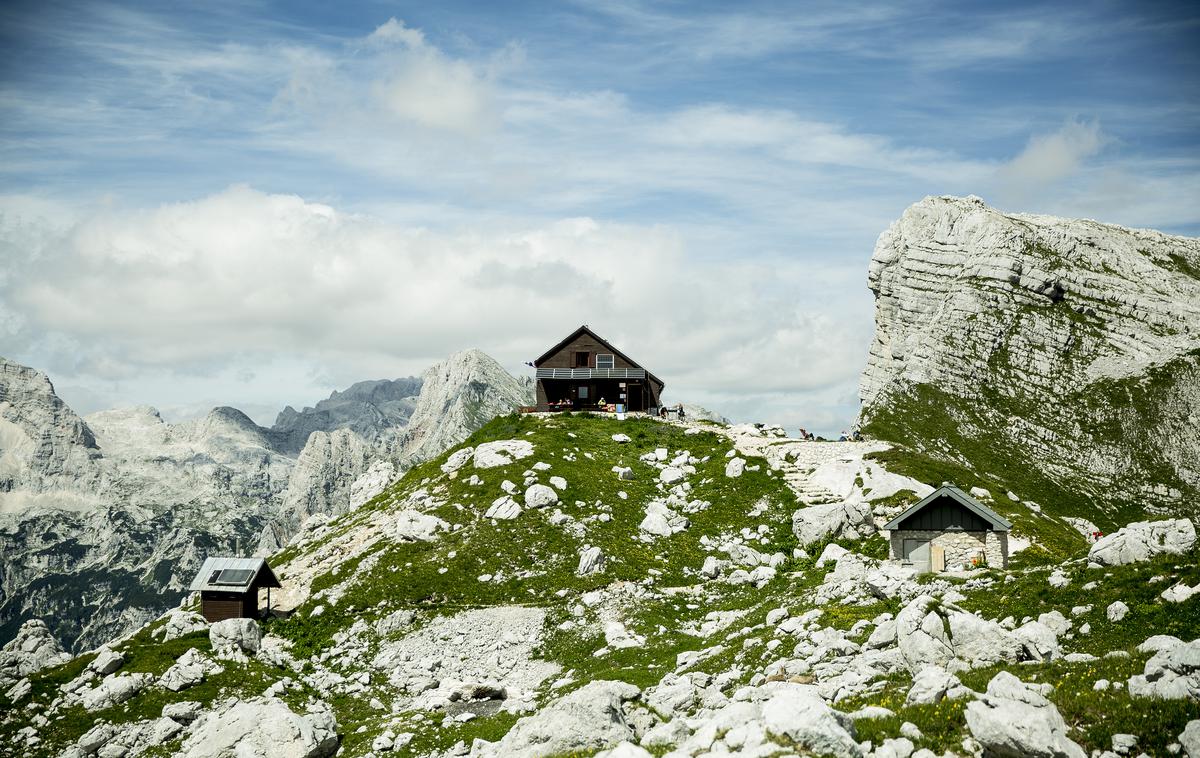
1048, 159
240, 280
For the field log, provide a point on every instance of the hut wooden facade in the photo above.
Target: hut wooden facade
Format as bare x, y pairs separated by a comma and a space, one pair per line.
949, 531
584, 369
229, 587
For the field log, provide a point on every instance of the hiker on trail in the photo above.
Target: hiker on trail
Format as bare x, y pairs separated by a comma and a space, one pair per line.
843, 438
679, 410
803, 434
662, 412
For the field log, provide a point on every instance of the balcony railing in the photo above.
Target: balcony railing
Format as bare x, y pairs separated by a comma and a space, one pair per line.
591, 373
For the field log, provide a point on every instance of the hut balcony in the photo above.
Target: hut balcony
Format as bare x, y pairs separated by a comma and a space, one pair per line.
591, 373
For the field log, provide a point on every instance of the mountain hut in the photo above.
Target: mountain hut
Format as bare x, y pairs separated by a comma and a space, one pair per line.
584, 368
949, 531
229, 587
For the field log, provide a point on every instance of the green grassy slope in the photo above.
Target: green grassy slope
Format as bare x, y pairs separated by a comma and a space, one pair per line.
667, 598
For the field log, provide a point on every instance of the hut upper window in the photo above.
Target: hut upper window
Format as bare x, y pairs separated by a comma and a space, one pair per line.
581, 360
605, 360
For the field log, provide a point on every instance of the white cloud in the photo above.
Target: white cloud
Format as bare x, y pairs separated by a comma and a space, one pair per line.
1048, 159
243, 279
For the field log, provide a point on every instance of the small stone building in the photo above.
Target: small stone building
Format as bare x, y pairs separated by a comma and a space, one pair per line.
229, 587
949, 531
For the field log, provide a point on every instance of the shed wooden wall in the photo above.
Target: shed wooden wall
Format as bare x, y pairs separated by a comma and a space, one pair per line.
565, 358
218, 606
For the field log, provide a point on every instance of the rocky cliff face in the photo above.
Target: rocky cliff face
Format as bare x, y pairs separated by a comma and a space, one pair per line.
369, 409
1063, 352
104, 520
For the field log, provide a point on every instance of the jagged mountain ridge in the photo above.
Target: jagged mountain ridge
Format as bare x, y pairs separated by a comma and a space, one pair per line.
103, 519
1062, 353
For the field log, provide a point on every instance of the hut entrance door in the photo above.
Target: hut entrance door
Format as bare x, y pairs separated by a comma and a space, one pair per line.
917, 553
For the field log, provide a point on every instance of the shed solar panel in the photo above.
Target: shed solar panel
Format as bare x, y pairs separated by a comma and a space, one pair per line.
239, 577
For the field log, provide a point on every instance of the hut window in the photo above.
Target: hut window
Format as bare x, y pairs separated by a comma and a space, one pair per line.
605, 361
581, 360
583, 393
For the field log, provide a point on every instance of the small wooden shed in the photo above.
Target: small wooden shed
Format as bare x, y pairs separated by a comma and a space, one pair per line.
949, 530
229, 587
584, 368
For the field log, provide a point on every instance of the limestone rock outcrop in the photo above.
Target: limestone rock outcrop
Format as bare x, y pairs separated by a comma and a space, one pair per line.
1143, 540
125, 500
1062, 348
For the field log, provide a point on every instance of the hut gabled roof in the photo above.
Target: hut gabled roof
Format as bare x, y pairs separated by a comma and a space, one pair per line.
998, 522
588, 330
240, 575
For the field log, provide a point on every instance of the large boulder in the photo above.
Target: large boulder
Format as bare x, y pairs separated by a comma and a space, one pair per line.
799, 713
190, 669
921, 635
930, 685
263, 728
114, 690
32, 650
1013, 721
1143, 540
178, 624
539, 496
980, 642
502, 452
588, 719
1172, 673
833, 520
233, 636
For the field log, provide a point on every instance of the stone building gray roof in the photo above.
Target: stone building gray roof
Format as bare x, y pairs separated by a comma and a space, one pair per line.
998, 522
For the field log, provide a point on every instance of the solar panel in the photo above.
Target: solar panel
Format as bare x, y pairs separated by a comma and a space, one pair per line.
239, 577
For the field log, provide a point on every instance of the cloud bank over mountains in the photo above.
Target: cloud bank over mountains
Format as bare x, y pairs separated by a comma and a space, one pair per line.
255, 210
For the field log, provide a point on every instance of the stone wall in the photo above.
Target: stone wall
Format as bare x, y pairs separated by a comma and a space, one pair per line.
959, 547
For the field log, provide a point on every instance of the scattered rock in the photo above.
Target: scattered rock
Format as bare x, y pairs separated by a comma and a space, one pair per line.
735, 468
1013, 721
621, 438
106, 662
503, 508
33, 649
671, 474
190, 669
591, 561
502, 452
1172, 673
1189, 738
588, 719
114, 690
1116, 611
262, 727
539, 496
234, 636
930, 685
836, 520
1143, 540
799, 712
178, 624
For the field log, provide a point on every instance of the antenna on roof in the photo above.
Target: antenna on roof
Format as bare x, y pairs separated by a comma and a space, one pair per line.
237, 547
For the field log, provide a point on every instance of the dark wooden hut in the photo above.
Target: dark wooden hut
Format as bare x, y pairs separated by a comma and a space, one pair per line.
584, 369
229, 587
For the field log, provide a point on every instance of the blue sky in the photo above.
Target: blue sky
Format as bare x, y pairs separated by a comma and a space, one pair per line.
253, 204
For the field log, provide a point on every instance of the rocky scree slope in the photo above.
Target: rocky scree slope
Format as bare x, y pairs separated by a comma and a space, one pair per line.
104, 520
1055, 358
576, 585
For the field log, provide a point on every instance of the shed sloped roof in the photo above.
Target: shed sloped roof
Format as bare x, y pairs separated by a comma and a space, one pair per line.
998, 522
588, 330
260, 575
